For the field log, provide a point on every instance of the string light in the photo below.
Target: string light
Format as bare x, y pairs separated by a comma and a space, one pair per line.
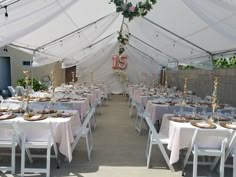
6, 14
174, 44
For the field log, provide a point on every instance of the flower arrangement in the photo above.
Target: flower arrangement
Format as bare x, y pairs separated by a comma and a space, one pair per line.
131, 11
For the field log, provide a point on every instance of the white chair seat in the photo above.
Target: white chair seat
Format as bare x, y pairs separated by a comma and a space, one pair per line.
209, 152
85, 132
6, 143
37, 144
163, 139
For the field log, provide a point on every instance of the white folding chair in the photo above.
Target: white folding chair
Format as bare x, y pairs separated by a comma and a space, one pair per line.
155, 138
8, 139
93, 120
201, 146
1, 98
12, 90
43, 140
20, 91
85, 133
230, 151
133, 104
139, 117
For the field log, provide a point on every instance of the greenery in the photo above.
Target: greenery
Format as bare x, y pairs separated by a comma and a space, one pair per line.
187, 67
123, 39
131, 11
121, 49
36, 84
225, 62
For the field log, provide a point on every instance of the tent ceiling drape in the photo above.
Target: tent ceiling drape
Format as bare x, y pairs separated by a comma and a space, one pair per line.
174, 32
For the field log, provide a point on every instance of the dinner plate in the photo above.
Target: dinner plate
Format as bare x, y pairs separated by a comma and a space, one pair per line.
7, 116
224, 119
47, 111
229, 125
203, 124
63, 100
44, 99
61, 114
178, 119
35, 117
20, 110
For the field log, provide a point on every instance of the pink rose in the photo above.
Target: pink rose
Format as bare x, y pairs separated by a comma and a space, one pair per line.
132, 8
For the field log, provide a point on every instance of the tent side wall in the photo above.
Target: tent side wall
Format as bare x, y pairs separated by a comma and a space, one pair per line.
200, 82
16, 60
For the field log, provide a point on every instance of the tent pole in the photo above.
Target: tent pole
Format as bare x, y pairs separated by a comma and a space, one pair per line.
176, 35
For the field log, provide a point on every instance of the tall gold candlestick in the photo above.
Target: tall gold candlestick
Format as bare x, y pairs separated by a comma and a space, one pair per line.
185, 92
73, 77
166, 85
185, 86
92, 77
214, 100
27, 98
53, 78
214, 95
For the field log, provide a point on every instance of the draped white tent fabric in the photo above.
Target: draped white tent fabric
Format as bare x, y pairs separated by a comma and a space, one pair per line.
84, 32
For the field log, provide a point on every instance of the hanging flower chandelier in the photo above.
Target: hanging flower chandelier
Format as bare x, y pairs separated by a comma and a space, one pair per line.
131, 11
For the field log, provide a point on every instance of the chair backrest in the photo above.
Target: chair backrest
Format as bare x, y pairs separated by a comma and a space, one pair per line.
152, 130
36, 131
1, 98
20, 91
209, 138
7, 131
87, 119
231, 145
12, 90
140, 108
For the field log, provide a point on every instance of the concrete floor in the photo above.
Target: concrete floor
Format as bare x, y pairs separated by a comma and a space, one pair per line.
118, 150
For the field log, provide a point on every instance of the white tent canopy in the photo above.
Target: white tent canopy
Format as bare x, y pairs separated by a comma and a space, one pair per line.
75, 31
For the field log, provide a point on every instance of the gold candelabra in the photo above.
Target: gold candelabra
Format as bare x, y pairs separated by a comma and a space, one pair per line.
77, 76
214, 95
166, 86
185, 86
53, 82
185, 93
27, 97
214, 100
73, 77
91, 77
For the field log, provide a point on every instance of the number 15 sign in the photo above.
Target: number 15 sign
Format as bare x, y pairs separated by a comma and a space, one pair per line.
119, 62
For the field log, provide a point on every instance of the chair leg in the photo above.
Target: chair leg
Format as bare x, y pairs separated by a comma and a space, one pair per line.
149, 154
222, 161
234, 163
88, 149
140, 125
195, 158
22, 159
48, 161
137, 124
131, 111
13, 158
148, 144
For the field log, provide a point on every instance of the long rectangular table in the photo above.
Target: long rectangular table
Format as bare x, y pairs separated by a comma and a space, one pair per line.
64, 131
180, 136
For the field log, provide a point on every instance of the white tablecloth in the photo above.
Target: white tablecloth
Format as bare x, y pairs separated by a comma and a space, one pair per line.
63, 128
180, 136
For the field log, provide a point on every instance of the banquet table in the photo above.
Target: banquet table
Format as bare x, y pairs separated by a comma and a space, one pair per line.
63, 129
82, 106
180, 136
